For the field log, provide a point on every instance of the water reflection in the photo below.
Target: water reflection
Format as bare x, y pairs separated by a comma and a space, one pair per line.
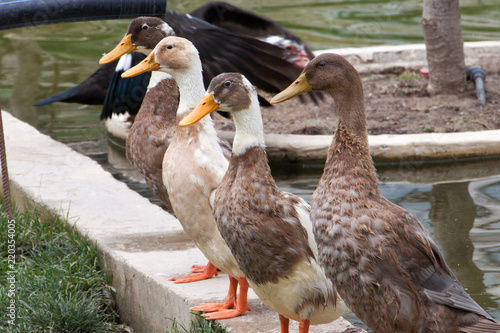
24, 92
452, 213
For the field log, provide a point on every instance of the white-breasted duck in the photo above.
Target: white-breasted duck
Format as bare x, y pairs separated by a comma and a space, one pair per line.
268, 231
155, 122
193, 167
382, 260
261, 49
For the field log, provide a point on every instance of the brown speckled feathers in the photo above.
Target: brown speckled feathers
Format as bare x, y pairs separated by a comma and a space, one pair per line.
383, 262
151, 133
276, 246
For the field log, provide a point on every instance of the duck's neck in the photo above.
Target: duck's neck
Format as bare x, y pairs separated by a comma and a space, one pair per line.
191, 89
349, 153
249, 128
349, 101
156, 77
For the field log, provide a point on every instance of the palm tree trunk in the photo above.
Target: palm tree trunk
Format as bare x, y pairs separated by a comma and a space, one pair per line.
444, 44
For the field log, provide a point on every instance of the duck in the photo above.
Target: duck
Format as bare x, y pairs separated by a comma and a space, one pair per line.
268, 231
271, 61
377, 255
193, 166
154, 126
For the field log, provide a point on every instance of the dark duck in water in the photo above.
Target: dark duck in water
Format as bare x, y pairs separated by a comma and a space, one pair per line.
261, 49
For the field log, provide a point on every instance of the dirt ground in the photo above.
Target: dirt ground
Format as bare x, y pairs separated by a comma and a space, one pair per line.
395, 104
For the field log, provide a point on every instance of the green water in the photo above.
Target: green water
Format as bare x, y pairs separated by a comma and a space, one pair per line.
38, 62
462, 214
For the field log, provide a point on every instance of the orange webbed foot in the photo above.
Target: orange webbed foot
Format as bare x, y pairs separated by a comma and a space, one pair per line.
199, 269
241, 306
230, 302
212, 307
209, 272
223, 314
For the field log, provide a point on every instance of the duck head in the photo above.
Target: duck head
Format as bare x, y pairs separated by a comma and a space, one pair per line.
230, 92
142, 35
329, 73
293, 51
334, 75
172, 55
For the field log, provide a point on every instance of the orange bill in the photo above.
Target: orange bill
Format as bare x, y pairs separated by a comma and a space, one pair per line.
125, 46
207, 105
147, 65
298, 87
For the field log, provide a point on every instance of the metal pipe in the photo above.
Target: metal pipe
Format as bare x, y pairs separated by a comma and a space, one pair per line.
25, 13
477, 75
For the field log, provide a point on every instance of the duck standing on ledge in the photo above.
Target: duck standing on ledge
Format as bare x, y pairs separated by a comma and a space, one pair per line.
193, 167
268, 231
383, 262
155, 123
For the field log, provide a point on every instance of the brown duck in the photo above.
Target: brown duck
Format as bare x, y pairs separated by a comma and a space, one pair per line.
268, 231
381, 259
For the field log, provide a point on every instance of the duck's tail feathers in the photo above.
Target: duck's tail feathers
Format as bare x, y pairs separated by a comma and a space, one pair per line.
484, 325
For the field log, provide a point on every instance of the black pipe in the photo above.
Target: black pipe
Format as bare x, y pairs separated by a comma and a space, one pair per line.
477, 74
23, 13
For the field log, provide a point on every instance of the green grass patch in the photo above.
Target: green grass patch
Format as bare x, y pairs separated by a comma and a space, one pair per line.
51, 281
408, 75
199, 326
55, 281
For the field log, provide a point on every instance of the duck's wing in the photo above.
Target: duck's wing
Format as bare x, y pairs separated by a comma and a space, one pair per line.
223, 51
92, 91
244, 22
429, 272
125, 94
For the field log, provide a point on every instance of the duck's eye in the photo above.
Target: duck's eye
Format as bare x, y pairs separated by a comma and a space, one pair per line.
170, 47
321, 64
145, 26
227, 83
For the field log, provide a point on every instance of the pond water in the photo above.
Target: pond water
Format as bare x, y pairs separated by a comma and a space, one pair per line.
458, 203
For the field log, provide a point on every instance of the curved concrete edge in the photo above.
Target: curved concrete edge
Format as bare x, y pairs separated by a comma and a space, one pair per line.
384, 148
393, 58
139, 243
387, 147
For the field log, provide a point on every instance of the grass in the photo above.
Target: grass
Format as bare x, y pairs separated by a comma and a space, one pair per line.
409, 75
199, 326
54, 283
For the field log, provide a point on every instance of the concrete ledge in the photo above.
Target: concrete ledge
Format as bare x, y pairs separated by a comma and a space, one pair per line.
387, 147
393, 58
141, 244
